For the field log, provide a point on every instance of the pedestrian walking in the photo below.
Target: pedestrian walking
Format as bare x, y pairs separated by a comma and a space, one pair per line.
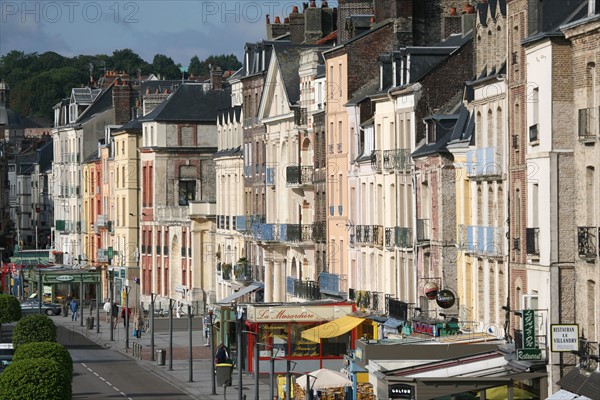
74, 308
107, 308
126, 320
115, 315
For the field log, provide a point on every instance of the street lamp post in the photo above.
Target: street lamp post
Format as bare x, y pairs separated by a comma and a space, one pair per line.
152, 301
191, 364
127, 317
81, 300
111, 290
170, 334
212, 353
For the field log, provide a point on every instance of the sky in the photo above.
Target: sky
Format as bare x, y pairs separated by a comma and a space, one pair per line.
178, 29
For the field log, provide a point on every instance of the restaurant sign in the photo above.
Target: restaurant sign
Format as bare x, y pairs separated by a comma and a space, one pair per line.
297, 314
529, 354
64, 278
529, 329
564, 337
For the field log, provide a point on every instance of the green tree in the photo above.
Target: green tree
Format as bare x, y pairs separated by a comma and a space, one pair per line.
165, 66
127, 60
35, 378
48, 350
34, 328
194, 67
226, 62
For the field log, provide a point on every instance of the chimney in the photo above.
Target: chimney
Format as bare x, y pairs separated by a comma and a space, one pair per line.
122, 99
296, 26
216, 78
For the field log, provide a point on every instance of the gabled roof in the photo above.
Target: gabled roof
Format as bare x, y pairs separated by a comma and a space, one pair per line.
444, 126
135, 125
464, 128
190, 103
364, 92
85, 95
556, 15
229, 115
486, 10
45, 156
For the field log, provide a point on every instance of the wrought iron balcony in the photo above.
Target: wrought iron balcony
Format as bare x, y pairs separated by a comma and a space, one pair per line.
308, 290
589, 123
359, 237
243, 272
532, 241
269, 232
377, 231
299, 174
296, 233
330, 148
396, 160
423, 230
301, 116
332, 284
403, 237
587, 241
339, 147
377, 160
389, 242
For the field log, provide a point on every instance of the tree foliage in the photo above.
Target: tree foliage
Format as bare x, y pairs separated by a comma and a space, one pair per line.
10, 309
35, 378
40, 81
34, 328
49, 350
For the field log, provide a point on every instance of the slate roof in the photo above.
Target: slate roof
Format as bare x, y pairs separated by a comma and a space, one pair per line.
190, 103
464, 129
368, 89
444, 126
562, 12
103, 102
288, 58
229, 114
45, 156
85, 95
229, 152
10, 118
133, 125
485, 10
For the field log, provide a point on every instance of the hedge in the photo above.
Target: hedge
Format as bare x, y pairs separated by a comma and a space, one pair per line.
10, 309
35, 378
34, 328
48, 350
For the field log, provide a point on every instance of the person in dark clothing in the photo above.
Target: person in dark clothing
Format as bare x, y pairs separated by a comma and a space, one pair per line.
222, 354
115, 314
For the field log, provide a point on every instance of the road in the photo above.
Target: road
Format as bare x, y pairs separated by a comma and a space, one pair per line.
101, 373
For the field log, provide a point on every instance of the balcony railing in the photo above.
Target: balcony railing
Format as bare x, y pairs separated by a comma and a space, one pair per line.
483, 163
296, 233
330, 148
532, 241
377, 160
377, 235
587, 241
396, 160
589, 123
301, 116
269, 232
248, 171
423, 230
308, 290
333, 284
243, 272
403, 237
299, 174
389, 237
484, 240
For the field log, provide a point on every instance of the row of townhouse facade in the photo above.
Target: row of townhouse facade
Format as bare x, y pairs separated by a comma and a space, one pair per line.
469, 163
366, 170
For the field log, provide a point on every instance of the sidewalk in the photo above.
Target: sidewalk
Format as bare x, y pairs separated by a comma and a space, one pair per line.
200, 388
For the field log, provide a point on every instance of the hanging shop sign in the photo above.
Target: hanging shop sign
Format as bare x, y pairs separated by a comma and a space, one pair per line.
431, 290
564, 337
296, 313
445, 298
401, 391
64, 278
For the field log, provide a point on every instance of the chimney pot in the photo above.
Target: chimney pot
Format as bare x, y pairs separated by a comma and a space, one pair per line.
286, 20
313, 3
277, 20
324, 4
295, 10
268, 19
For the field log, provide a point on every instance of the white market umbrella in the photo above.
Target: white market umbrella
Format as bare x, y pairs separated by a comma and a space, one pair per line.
324, 379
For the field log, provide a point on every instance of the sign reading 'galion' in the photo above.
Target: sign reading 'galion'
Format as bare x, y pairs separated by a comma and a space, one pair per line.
564, 337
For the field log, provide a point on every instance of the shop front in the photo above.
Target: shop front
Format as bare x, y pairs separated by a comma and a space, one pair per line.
309, 335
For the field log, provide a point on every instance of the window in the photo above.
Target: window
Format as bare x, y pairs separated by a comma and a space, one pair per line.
187, 192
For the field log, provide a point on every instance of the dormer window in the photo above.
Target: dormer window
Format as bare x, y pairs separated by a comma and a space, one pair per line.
430, 133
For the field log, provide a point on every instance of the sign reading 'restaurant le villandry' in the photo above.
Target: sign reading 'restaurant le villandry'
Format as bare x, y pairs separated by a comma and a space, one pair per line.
564, 337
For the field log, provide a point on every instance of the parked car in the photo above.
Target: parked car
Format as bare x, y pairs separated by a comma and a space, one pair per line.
33, 307
6, 355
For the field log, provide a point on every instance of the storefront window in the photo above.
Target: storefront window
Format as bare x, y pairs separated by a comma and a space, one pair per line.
301, 347
336, 346
275, 335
